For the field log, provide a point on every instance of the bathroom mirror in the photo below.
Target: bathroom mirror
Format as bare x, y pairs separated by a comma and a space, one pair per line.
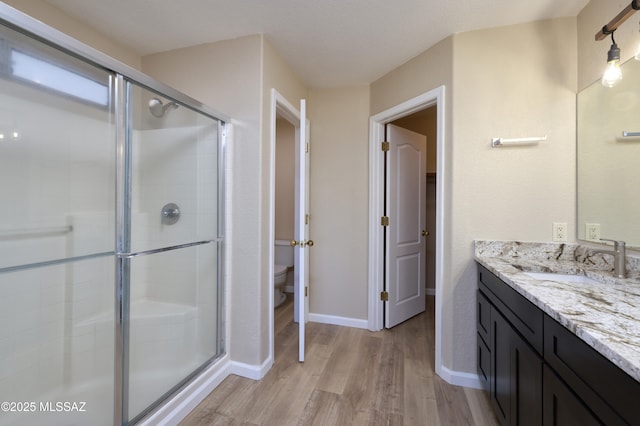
608, 159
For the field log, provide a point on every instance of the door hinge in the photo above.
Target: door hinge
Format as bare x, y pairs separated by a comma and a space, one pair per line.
385, 146
306, 148
306, 291
384, 221
384, 296
306, 218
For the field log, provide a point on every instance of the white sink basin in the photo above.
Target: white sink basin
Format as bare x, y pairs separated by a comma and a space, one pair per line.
559, 277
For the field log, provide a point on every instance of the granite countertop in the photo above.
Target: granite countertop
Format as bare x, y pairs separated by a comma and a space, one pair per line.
605, 315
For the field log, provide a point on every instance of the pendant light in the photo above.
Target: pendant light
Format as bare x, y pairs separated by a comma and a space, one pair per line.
613, 73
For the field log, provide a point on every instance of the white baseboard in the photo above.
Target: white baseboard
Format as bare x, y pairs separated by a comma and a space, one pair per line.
250, 371
178, 407
335, 320
459, 378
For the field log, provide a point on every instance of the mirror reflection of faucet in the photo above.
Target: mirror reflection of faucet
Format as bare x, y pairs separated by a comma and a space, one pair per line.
619, 256
170, 214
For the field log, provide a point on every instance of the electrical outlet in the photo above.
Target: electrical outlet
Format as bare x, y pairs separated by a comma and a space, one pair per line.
559, 232
592, 231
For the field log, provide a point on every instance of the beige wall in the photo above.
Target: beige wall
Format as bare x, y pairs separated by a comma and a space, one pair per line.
55, 18
495, 87
285, 180
504, 90
339, 201
426, 71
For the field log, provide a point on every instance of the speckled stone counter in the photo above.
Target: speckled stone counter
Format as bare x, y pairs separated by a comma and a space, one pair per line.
606, 316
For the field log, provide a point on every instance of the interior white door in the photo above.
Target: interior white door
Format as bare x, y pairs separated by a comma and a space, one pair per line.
302, 242
406, 232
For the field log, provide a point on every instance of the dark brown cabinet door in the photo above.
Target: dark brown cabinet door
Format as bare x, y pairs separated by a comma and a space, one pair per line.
501, 366
562, 407
526, 383
516, 369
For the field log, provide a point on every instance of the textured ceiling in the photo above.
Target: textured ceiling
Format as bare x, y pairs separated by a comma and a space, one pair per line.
328, 43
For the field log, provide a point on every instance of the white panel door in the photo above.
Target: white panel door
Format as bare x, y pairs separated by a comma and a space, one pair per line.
406, 209
302, 242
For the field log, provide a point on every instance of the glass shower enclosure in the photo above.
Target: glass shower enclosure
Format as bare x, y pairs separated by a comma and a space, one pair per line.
111, 234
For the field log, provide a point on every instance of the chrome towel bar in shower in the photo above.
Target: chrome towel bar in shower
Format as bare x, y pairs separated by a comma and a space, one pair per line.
32, 232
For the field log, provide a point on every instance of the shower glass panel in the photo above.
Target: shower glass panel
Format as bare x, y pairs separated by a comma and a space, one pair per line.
173, 193
57, 174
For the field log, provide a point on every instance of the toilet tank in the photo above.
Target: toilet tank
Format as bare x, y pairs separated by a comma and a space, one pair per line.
283, 253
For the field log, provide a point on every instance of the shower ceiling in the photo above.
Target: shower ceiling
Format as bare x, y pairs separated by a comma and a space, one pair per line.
328, 43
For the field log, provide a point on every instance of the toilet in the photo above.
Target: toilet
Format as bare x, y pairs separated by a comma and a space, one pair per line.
283, 262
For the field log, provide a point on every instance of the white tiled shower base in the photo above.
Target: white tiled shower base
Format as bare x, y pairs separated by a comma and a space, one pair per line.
163, 351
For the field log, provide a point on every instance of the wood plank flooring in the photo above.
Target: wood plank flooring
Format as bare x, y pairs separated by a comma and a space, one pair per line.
349, 377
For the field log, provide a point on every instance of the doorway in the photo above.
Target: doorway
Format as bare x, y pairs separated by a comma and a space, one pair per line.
435, 99
424, 122
290, 118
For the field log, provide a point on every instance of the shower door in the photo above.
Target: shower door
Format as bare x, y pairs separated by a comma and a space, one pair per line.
170, 243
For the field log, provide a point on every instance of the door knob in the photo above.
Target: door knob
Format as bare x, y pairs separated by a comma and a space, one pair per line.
293, 243
425, 233
310, 243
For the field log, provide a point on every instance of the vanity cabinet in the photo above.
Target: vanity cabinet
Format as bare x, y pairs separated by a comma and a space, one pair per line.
538, 372
515, 374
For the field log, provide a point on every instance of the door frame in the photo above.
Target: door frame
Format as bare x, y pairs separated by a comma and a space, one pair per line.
376, 187
281, 107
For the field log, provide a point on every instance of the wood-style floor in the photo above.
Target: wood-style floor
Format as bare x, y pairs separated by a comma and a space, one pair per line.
350, 377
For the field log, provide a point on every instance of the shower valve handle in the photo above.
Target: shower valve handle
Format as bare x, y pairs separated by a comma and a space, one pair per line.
171, 212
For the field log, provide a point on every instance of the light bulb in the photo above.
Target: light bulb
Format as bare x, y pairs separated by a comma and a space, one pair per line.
612, 75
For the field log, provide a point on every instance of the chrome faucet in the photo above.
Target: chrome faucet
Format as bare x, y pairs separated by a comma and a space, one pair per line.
619, 256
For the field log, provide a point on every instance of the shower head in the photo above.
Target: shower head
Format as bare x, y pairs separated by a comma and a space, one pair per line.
158, 109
